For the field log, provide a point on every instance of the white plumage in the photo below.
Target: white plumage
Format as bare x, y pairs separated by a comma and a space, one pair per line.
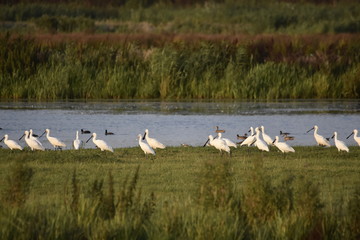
340, 145
152, 141
34, 144
11, 143
219, 144
53, 140
100, 143
260, 144
145, 147
356, 138
320, 140
250, 140
77, 142
227, 141
283, 146
266, 137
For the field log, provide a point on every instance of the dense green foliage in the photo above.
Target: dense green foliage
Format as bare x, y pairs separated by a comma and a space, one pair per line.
210, 17
179, 49
182, 193
266, 67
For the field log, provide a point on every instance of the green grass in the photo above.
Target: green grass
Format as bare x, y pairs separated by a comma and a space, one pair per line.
189, 192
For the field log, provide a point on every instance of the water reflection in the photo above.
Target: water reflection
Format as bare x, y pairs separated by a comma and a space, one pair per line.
174, 123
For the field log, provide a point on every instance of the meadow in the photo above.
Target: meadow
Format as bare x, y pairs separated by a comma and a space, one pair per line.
182, 193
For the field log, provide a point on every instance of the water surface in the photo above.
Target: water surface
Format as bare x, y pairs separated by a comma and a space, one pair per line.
176, 123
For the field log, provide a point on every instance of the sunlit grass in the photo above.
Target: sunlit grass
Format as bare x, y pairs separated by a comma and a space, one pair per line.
183, 192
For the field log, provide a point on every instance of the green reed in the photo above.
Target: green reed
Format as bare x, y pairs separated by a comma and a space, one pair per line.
267, 68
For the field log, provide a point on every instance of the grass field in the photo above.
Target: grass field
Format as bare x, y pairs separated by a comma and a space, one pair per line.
182, 193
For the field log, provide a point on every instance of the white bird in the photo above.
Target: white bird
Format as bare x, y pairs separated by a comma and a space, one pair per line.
11, 143
356, 137
100, 143
145, 147
53, 140
227, 141
266, 137
250, 140
340, 145
32, 135
260, 144
77, 142
321, 141
282, 146
219, 144
32, 143
152, 141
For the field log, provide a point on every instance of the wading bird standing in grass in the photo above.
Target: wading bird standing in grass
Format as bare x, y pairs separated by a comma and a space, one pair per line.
356, 137
282, 146
145, 147
11, 143
100, 143
250, 140
34, 144
77, 142
266, 137
152, 141
227, 141
219, 144
340, 145
57, 144
320, 140
260, 144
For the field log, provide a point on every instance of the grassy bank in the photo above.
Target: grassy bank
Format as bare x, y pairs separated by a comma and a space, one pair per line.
179, 67
187, 193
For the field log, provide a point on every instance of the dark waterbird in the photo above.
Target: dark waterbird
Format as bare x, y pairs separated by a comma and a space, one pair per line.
85, 131
108, 133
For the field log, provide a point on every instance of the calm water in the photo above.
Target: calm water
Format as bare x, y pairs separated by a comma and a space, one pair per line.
175, 123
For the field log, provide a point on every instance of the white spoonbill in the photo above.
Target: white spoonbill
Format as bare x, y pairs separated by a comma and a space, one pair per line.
356, 137
250, 140
53, 140
227, 141
145, 147
152, 141
77, 142
260, 144
11, 143
100, 143
282, 146
340, 145
266, 137
32, 143
321, 141
219, 144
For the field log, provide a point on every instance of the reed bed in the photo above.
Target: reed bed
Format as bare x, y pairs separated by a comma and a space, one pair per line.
266, 67
187, 193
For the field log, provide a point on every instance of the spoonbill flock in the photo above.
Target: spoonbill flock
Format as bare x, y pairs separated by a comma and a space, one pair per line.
257, 138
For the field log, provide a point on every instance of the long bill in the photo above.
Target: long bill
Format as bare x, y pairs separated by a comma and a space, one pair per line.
89, 138
310, 129
143, 138
42, 134
21, 136
346, 138
206, 142
2, 139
